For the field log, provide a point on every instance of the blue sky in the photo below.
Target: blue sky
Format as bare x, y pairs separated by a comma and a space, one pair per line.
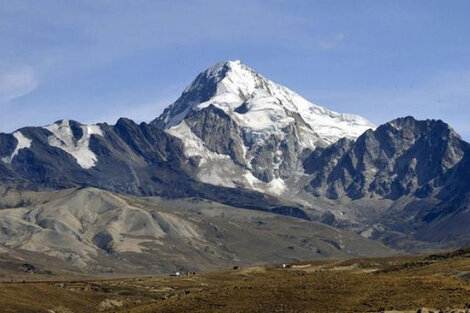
95, 61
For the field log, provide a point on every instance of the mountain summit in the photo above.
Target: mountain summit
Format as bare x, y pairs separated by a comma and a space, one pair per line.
247, 131
261, 106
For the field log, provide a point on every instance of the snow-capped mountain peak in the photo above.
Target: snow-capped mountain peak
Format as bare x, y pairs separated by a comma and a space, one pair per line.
248, 131
258, 104
231, 77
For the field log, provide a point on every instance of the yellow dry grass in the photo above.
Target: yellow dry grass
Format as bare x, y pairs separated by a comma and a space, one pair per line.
367, 285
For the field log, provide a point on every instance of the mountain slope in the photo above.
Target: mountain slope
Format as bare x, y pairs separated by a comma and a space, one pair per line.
98, 231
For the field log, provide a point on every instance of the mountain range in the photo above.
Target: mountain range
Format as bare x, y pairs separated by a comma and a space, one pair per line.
238, 170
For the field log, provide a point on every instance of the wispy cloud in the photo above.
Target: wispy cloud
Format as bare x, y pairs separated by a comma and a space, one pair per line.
332, 42
16, 83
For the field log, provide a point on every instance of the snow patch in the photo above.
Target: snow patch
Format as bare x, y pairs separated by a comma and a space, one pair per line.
62, 137
23, 143
217, 175
193, 145
213, 168
275, 187
368, 233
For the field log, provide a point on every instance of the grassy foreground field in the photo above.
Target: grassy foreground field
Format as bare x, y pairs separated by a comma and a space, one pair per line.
364, 285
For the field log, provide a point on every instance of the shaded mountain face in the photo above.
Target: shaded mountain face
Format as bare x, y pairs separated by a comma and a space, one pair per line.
449, 220
67, 154
404, 157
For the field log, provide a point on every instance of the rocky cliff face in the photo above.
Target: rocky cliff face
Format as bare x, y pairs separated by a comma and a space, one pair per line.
404, 157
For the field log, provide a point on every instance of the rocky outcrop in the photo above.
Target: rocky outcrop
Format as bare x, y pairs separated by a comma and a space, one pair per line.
404, 157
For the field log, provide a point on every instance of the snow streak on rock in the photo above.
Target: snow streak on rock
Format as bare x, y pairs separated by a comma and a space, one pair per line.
23, 143
62, 137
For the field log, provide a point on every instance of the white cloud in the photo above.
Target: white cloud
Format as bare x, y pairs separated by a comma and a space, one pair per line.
17, 83
331, 43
